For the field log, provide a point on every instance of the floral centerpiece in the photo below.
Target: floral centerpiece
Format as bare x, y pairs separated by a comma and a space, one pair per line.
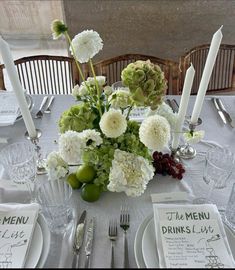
116, 152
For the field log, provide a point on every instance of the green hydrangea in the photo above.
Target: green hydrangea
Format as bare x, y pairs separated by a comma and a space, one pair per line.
146, 82
78, 118
101, 157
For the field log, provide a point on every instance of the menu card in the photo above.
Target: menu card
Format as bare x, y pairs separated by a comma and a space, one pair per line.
17, 224
9, 109
191, 236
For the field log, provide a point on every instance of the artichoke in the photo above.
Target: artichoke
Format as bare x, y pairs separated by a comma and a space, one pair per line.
146, 82
77, 118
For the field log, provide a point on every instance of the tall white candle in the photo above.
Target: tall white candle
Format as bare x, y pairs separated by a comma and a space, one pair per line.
188, 82
16, 85
210, 61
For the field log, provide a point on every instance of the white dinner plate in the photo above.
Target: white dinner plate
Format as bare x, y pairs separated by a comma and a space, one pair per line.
46, 241
35, 249
148, 249
40, 245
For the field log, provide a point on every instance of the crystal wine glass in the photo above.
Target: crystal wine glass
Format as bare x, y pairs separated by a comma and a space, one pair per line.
19, 161
218, 167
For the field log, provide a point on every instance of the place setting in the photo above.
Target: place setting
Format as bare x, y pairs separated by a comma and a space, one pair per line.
117, 169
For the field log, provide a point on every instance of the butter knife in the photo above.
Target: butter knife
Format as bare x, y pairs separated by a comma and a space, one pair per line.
227, 116
175, 105
78, 239
222, 116
89, 242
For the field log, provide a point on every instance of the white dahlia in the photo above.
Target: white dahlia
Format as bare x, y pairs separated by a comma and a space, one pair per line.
129, 173
113, 123
154, 132
86, 45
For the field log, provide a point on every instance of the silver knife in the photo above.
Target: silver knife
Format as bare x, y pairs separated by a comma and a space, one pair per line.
169, 102
228, 117
222, 116
175, 105
89, 242
78, 239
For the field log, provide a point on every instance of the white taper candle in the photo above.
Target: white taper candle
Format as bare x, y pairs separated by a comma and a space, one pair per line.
210, 61
188, 82
16, 85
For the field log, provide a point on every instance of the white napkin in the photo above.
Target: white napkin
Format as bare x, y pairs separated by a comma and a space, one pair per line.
17, 223
9, 108
185, 240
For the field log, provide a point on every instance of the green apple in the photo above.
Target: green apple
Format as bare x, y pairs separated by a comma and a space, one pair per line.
85, 173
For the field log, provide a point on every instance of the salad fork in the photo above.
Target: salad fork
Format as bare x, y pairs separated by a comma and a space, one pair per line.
48, 109
39, 114
125, 224
112, 236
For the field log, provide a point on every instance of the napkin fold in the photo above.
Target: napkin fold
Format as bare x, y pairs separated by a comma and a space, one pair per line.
191, 236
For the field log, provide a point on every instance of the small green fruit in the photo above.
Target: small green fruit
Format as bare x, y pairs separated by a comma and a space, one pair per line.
73, 181
85, 173
90, 192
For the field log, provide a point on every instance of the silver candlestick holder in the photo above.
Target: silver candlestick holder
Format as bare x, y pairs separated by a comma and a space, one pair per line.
40, 161
187, 151
175, 153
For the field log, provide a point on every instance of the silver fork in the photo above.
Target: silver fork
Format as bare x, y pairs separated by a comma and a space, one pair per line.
125, 224
112, 237
48, 110
39, 114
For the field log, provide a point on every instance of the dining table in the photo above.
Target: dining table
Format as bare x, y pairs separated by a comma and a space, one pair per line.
109, 204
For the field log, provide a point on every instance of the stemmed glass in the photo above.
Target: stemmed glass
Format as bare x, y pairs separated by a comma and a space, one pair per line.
19, 161
219, 163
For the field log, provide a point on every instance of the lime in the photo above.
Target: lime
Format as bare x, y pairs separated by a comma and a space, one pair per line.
85, 173
90, 192
73, 181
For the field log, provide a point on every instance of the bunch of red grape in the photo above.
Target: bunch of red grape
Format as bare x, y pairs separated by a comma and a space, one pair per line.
166, 165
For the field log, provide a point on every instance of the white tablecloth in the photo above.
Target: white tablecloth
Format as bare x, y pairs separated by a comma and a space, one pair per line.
109, 204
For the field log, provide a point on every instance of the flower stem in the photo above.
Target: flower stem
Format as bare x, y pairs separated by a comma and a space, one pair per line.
129, 111
97, 87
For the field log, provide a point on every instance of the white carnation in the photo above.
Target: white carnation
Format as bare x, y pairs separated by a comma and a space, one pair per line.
91, 138
154, 132
86, 45
100, 79
71, 146
195, 137
113, 123
56, 167
129, 173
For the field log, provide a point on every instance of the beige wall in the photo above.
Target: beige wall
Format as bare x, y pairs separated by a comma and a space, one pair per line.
163, 28
29, 19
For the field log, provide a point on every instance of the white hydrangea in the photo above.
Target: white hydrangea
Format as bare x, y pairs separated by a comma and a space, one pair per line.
120, 99
71, 146
56, 167
91, 138
129, 173
86, 45
195, 137
100, 79
165, 111
154, 132
113, 123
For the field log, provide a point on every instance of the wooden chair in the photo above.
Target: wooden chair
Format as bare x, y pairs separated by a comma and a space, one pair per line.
112, 68
223, 74
45, 74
